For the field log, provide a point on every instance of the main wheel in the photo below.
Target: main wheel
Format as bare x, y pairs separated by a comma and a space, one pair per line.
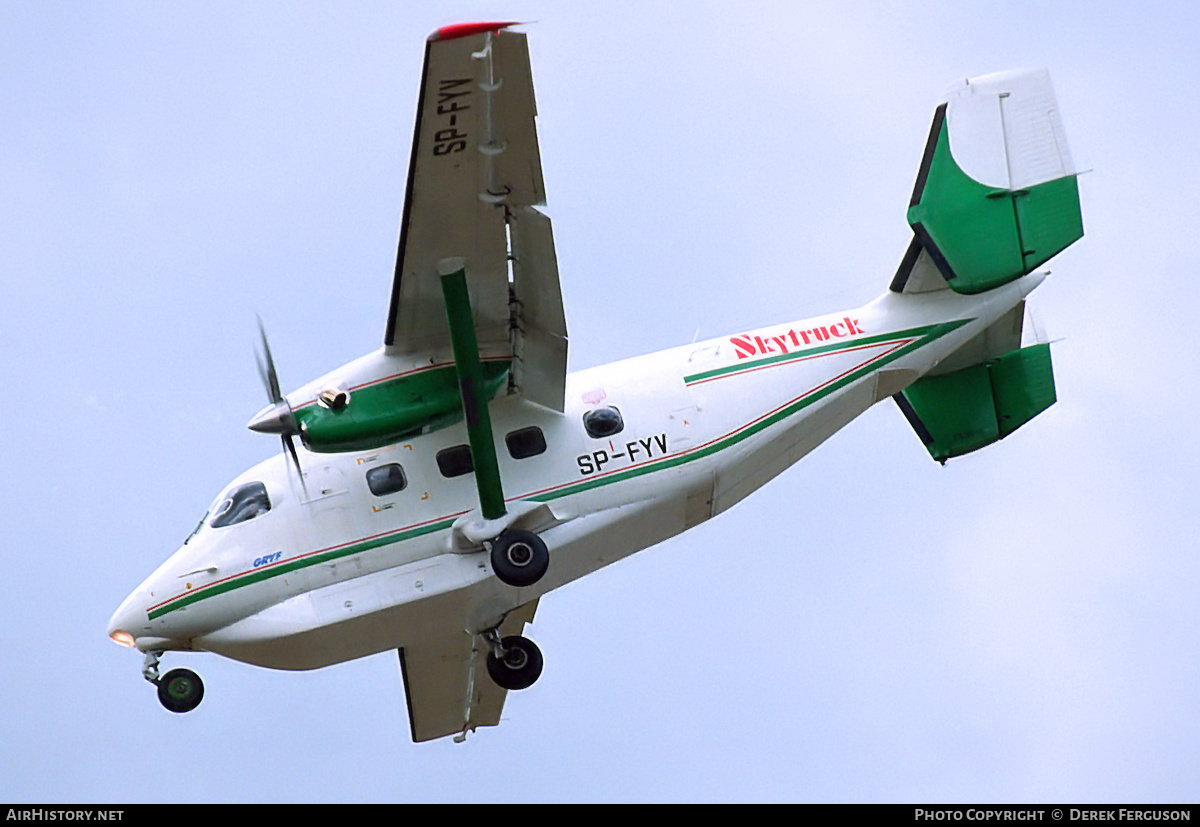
520, 666
180, 690
519, 558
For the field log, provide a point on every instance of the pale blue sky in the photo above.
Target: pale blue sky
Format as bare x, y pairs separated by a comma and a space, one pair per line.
1017, 626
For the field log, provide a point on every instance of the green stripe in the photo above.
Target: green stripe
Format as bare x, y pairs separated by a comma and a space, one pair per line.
933, 332
299, 563
737, 367
926, 335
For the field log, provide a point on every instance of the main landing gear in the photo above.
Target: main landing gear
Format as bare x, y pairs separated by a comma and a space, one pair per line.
514, 662
180, 690
519, 558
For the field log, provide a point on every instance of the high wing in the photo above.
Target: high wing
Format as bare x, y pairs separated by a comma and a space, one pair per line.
447, 685
473, 179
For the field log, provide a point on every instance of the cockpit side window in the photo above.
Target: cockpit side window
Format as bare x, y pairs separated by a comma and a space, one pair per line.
242, 503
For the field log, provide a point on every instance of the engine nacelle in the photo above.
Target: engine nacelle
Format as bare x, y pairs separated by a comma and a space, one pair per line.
380, 413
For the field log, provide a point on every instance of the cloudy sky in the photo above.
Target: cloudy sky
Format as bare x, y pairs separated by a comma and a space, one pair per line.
1020, 625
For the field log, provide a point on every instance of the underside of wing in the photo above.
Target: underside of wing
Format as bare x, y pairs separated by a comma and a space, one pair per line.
447, 685
474, 176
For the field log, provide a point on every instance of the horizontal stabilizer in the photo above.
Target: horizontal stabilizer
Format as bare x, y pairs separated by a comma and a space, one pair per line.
956, 413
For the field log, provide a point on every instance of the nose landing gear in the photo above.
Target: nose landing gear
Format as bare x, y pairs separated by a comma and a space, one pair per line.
180, 690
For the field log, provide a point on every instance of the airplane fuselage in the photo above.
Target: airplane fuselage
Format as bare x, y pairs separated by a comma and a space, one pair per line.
332, 570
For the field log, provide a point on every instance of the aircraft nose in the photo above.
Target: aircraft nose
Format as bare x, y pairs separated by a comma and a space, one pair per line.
128, 620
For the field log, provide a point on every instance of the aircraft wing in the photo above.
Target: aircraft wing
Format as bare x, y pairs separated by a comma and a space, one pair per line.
473, 179
447, 684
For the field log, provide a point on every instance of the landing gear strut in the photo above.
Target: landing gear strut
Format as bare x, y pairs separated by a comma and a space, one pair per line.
519, 558
514, 662
180, 690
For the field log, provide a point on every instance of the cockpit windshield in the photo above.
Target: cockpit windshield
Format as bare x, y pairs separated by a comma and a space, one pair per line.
196, 530
240, 504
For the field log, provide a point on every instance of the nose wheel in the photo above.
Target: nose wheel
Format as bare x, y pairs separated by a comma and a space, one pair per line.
180, 690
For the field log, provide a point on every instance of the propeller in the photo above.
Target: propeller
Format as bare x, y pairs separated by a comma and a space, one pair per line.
277, 417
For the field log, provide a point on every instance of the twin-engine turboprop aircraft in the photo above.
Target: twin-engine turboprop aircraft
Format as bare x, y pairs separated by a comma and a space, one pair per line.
455, 476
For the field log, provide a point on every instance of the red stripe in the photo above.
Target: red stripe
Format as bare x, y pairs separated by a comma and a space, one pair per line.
403, 373
752, 368
303, 556
895, 346
738, 430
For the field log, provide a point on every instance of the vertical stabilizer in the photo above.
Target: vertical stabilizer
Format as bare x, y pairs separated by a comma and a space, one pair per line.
996, 193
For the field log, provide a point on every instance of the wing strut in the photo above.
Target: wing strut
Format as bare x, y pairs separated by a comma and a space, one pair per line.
470, 384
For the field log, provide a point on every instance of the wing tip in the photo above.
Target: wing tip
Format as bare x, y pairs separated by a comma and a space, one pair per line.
458, 30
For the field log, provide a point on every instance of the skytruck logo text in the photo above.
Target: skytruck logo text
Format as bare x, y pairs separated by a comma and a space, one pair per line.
749, 345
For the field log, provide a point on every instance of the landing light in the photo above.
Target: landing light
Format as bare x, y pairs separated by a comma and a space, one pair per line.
122, 638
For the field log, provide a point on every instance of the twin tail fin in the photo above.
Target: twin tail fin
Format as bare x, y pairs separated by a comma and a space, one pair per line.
996, 193
996, 196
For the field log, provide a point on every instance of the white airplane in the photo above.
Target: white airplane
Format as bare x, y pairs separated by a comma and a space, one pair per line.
458, 474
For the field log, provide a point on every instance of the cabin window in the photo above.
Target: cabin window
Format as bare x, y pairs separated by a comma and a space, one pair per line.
386, 479
242, 503
526, 442
456, 461
603, 422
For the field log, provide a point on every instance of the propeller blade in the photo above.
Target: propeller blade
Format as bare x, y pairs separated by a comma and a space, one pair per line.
277, 417
267, 371
290, 448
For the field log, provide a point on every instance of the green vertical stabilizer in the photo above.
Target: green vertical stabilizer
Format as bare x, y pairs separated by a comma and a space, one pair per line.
981, 236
